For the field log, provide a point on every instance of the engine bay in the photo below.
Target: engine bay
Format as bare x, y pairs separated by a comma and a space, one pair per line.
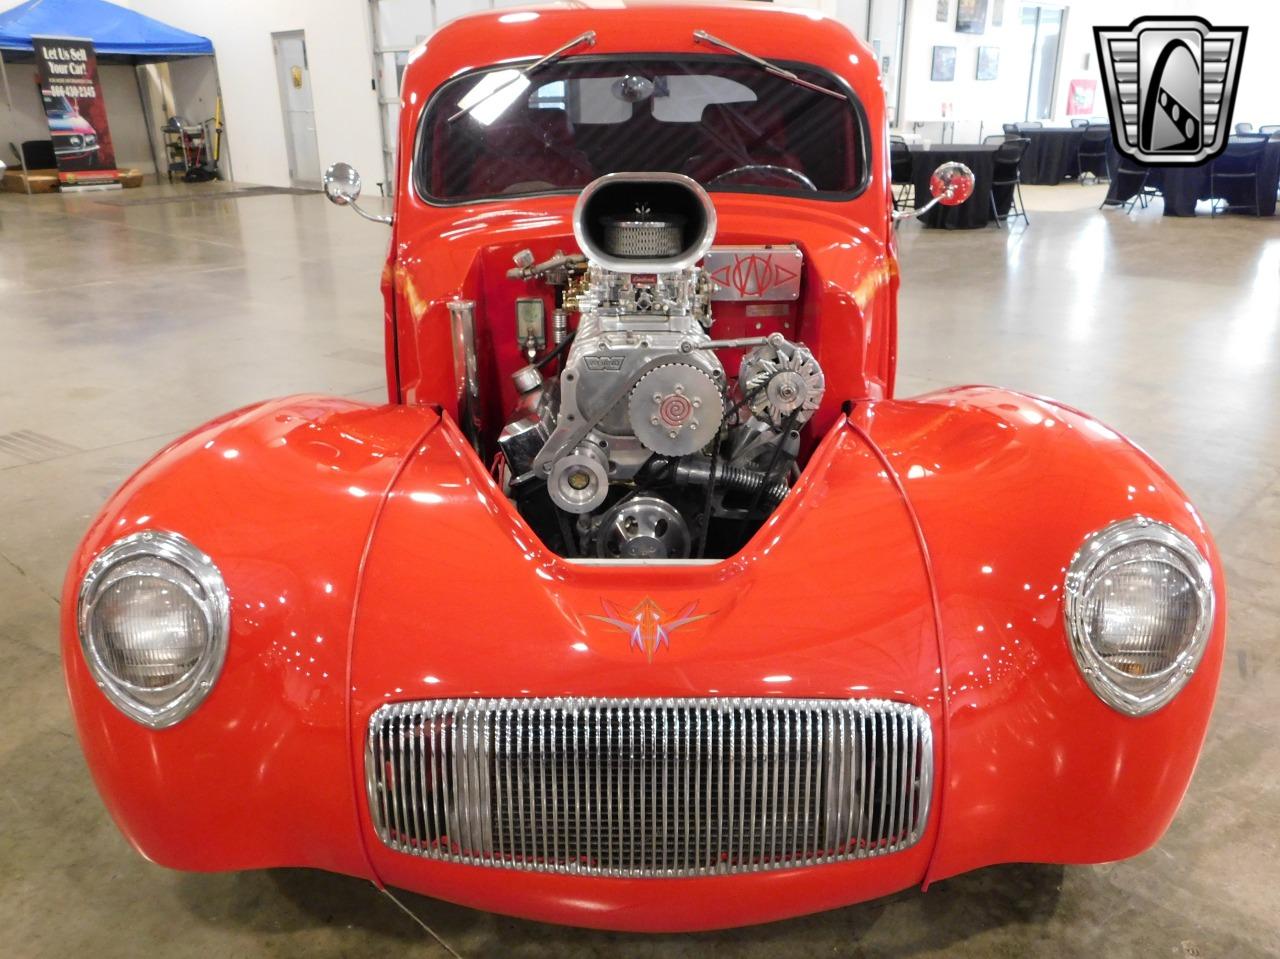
637, 434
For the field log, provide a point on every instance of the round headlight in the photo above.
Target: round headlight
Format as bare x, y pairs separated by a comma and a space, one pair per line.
153, 617
1139, 608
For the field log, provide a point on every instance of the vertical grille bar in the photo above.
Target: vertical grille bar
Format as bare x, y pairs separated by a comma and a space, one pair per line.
649, 787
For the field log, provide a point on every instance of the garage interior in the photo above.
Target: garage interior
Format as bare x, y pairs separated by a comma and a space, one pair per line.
129, 317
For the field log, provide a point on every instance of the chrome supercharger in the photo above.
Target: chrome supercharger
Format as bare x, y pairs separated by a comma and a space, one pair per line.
644, 445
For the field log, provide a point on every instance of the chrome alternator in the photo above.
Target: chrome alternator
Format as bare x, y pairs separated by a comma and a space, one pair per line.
782, 381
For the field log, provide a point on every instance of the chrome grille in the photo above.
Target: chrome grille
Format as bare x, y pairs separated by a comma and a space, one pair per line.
649, 787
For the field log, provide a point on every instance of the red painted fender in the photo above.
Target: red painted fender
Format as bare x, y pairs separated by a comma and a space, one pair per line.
1004, 488
283, 496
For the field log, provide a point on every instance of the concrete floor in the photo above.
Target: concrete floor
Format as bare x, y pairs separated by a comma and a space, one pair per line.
124, 325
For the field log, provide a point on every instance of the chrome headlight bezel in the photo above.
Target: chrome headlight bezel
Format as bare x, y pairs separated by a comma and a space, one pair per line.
160, 706
1130, 694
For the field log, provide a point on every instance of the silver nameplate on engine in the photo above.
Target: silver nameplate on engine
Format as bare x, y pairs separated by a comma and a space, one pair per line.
768, 273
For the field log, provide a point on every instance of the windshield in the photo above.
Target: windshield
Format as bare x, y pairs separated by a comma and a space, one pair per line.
727, 124
56, 104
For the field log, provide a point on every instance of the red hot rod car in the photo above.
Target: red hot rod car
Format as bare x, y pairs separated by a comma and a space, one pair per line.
643, 603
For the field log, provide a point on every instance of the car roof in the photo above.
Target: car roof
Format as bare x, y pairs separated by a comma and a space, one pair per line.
621, 6
518, 33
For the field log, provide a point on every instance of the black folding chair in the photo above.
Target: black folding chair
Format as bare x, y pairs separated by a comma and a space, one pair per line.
1270, 129
1010, 129
1079, 122
998, 137
1007, 175
37, 154
1244, 128
1239, 165
903, 187
1093, 149
1144, 193
1029, 125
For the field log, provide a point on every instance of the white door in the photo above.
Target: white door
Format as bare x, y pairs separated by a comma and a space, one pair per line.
299, 110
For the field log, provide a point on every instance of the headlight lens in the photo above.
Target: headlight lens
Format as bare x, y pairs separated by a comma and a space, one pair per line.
153, 619
1139, 608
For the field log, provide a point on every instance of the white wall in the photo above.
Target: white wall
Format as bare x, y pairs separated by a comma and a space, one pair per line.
974, 105
340, 61
1258, 96
1004, 100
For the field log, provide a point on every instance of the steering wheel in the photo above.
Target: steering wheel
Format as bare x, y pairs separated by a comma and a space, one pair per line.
766, 168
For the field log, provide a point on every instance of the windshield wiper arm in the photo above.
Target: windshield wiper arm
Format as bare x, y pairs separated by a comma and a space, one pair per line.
702, 36
589, 38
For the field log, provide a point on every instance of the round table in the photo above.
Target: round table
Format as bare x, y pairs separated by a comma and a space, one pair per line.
1182, 187
1052, 154
974, 212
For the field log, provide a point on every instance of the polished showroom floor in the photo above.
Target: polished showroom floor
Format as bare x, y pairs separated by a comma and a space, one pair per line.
124, 323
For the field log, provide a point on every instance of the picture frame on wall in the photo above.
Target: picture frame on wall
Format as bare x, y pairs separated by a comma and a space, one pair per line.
944, 10
971, 16
944, 63
997, 13
988, 63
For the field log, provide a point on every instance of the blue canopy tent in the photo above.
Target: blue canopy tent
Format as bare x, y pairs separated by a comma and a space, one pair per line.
119, 36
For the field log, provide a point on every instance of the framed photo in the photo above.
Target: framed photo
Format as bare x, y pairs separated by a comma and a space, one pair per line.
988, 63
944, 10
997, 13
944, 63
971, 16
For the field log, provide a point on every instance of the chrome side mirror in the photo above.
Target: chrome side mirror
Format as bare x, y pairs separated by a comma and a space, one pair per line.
342, 186
951, 184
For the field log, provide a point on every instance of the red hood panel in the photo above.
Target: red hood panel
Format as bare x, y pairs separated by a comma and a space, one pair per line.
830, 599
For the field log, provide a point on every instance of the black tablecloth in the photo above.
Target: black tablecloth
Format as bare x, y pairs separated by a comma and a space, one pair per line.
974, 212
1051, 155
1183, 187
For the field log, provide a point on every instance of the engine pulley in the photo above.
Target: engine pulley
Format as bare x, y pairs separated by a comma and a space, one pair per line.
643, 527
676, 409
579, 482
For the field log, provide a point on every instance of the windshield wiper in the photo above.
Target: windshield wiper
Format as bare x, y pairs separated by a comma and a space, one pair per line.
702, 36
520, 80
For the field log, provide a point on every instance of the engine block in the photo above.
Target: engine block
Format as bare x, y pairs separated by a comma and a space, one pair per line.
643, 438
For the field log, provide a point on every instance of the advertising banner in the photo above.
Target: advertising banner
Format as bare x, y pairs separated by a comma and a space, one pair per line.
76, 112
1080, 97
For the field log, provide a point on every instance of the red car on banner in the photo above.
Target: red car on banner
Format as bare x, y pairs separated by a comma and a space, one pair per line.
644, 602
75, 141
76, 112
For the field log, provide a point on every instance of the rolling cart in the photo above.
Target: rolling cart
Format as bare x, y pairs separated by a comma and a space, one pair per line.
187, 150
